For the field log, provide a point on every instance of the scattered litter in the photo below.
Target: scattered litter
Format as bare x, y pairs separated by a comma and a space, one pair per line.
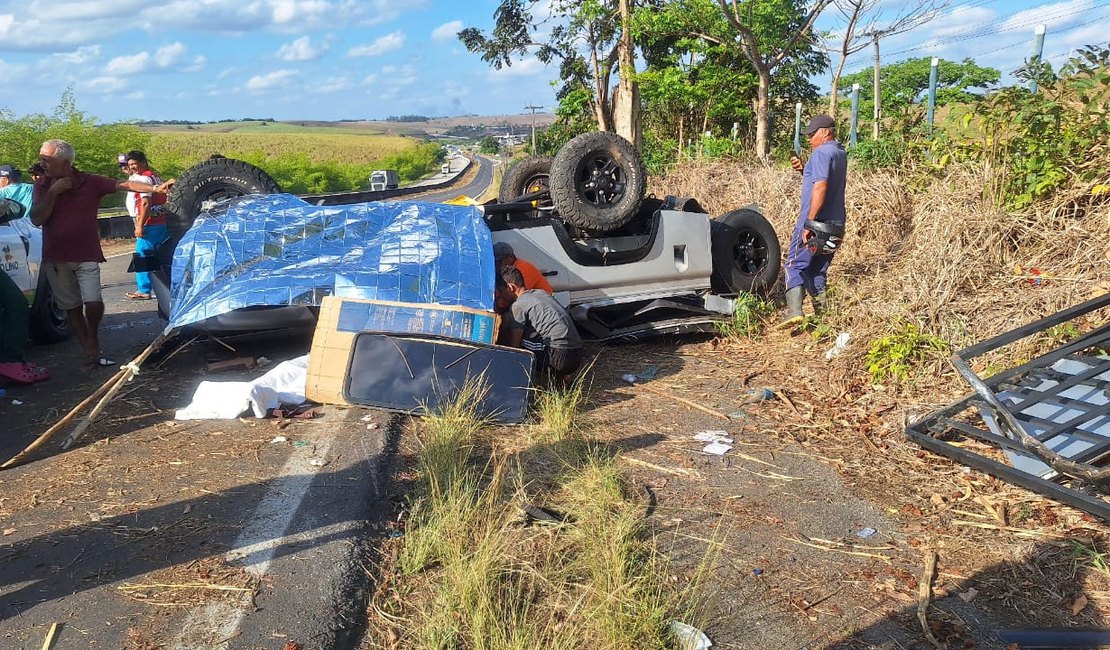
279, 439
715, 435
317, 462
757, 395
839, 345
968, 595
367, 418
629, 377
689, 637
8, 531
866, 532
16, 402
737, 415
395, 534
221, 365
372, 426
537, 514
300, 443
716, 448
757, 572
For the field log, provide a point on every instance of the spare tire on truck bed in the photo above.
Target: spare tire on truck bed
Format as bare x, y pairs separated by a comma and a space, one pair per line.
528, 176
208, 182
597, 181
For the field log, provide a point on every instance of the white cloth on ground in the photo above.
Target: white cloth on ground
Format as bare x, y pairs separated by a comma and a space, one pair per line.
226, 400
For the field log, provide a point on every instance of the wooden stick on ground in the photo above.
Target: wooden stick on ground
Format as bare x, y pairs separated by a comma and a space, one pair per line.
60, 424
683, 400
925, 596
49, 641
128, 371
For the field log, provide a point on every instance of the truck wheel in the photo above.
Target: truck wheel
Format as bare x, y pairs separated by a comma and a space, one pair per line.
597, 182
526, 177
211, 181
49, 323
745, 252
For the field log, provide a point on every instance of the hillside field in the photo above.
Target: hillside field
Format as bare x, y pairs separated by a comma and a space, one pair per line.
319, 145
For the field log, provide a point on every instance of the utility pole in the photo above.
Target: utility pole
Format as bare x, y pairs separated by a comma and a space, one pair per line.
533, 109
1038, 50
878, 113
931, 108
853, 137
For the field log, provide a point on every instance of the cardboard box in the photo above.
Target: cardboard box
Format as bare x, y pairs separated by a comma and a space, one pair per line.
343, 319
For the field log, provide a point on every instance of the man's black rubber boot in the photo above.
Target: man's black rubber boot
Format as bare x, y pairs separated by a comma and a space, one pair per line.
794, 298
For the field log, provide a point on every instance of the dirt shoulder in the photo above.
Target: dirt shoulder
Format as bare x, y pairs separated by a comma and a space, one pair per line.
782, 520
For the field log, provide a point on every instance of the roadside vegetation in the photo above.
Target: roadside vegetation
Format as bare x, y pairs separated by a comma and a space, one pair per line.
532, 538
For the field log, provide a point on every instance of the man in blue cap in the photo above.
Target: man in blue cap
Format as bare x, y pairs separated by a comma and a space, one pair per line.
820, 223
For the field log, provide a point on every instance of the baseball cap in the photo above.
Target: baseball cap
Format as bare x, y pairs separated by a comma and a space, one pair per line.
7, 171
502, 250
819, 122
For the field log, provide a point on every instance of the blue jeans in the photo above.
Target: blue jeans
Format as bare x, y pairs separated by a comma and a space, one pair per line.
803, 268
145, 246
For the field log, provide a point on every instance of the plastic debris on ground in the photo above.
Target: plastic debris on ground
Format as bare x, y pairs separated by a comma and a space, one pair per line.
690, 637
866, 532
16, 402
226, 400
839, 345
756, 395
276, 250
646, 374
279, 439
719, 442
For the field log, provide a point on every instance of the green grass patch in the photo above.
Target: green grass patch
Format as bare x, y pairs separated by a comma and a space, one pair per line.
472, 572
894, 356
752, 315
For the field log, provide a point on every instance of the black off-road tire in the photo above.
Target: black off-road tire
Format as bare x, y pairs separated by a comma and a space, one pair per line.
527, 176
746, 252
210, 181
597, 182
48, 323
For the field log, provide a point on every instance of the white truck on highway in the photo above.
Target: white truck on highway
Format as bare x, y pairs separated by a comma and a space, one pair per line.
384, 179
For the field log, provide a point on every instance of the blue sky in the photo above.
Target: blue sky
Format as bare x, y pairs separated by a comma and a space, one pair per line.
336, 59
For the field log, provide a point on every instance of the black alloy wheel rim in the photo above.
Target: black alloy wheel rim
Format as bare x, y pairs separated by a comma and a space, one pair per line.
750, 252
601, 181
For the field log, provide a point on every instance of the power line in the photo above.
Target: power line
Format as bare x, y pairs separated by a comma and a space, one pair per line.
992, 31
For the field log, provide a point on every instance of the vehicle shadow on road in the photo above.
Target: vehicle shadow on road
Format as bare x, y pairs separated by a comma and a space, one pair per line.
1054, 585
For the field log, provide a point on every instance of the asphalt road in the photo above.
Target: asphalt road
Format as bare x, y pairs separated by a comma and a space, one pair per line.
152, 532
473, 189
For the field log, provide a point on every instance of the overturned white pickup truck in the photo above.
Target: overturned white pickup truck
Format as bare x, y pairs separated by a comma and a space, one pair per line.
626, 266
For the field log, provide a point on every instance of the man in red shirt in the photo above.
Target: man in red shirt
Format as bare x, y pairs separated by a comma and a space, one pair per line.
64, 204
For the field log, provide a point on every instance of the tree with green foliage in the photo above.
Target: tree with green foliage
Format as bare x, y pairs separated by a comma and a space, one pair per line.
97, 145
741, 44
719, 56
489, 145
584, 37
905, 82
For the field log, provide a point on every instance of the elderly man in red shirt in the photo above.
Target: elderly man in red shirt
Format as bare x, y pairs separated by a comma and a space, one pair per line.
65, 203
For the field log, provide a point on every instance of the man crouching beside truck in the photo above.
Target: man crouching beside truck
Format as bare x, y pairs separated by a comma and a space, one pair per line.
541, 325
65, 205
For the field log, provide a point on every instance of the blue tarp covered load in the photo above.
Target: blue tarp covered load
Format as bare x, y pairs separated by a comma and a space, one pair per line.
279, 250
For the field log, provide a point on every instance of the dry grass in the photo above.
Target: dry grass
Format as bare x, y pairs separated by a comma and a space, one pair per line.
934, 252
194, 583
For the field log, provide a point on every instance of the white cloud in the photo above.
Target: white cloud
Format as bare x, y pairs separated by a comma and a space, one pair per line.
105, 85
331, 85
169, 55
1054, 14
198, 64
384, 11
381, 45
130, 64
526, 67
370, 79
6, 22
270, 80
135, 96
300, 49
447, 31
84, 54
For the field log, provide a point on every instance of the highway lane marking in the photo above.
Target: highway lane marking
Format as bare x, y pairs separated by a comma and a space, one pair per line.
213, 626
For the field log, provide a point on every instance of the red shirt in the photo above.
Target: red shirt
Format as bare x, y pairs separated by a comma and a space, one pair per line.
71, 234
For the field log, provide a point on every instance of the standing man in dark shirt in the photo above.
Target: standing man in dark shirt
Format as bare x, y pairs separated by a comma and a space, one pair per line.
810, 254
65, 205
540, 324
